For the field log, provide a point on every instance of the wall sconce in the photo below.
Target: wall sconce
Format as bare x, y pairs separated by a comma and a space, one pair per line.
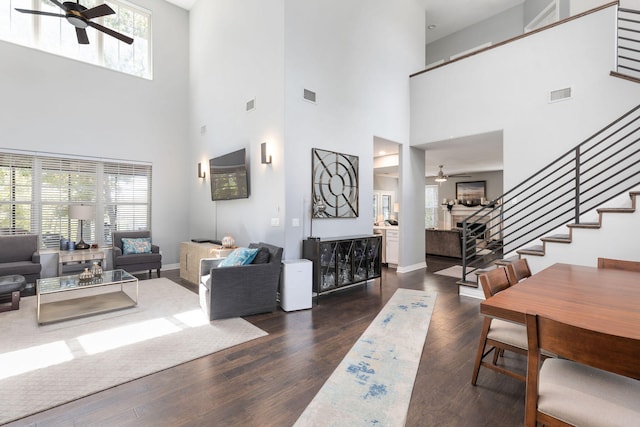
263, 154
201, 174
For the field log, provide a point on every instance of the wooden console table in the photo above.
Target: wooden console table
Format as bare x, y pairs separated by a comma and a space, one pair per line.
191, 253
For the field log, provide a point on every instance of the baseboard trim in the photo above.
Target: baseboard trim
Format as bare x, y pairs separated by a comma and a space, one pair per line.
170, 266
409, 268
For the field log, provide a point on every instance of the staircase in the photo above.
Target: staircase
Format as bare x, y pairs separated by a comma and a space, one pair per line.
571, 192
608, 235
569, 198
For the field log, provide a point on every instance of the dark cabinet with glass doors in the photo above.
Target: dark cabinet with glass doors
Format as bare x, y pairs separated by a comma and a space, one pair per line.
344, 261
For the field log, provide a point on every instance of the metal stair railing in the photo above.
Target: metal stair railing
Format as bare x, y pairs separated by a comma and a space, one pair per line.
600, 168
628, 56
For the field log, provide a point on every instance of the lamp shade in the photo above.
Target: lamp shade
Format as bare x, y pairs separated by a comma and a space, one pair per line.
81, 212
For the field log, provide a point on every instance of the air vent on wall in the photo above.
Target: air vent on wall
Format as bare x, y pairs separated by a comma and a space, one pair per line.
560, 94
251, 105
309, 95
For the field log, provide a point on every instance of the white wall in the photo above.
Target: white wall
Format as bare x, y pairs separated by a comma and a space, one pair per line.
237, 53
356, 56
496, 29
58, 105
507, 88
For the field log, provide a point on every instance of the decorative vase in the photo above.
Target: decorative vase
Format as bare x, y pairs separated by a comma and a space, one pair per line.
86, 275
96, 270
228, 241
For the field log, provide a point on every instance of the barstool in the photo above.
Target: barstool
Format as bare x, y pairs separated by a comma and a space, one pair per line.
10, 286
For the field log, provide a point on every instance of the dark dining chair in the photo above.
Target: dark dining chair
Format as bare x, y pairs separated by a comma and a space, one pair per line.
498, 335
594, 381
619, 264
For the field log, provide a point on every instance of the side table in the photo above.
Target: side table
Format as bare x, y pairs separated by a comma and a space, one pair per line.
79, 256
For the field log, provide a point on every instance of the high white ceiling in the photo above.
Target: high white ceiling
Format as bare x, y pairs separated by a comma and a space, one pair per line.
448, 16
185, 4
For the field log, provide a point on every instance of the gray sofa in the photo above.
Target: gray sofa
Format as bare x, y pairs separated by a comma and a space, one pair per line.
447, 243
19, 255
135, 262
243, 290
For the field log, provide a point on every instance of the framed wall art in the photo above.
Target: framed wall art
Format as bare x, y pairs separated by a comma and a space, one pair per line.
471, 193
334, 192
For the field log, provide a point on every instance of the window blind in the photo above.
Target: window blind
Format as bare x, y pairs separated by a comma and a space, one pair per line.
16, 181
126, 197
37, 190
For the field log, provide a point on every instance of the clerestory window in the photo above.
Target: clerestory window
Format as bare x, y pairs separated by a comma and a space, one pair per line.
56, 35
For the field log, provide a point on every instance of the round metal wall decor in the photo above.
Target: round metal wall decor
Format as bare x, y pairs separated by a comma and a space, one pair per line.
334, 184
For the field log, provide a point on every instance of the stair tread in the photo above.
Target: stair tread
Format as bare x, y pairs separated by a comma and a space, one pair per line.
585, 225
505, 261
618, 210
559, 238
532, 250
467, 283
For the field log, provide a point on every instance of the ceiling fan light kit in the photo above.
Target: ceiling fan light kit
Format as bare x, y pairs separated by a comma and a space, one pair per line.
80, 17
441, 177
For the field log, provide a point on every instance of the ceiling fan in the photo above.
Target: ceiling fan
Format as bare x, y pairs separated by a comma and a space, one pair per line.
80, 17
441, 177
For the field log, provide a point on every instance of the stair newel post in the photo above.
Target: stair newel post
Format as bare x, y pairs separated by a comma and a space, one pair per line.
577, 197
464, 249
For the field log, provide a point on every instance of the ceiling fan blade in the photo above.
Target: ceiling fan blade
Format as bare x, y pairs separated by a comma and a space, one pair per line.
81, 33
96, 12
60, 5
112, 33
37, 12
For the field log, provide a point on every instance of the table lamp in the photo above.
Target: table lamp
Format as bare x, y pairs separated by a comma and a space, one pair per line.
83, 213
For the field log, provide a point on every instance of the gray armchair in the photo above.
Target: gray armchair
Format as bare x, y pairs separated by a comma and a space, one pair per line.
135, 262
19, 255
243, 290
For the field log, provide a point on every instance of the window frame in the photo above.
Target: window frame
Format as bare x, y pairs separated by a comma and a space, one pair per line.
86, 181
435, 209
97, 56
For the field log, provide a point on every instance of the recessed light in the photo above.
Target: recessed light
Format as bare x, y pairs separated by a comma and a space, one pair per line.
432, 27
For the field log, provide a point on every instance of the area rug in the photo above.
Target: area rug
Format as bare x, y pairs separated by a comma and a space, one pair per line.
453, 271
372, 386
46, 366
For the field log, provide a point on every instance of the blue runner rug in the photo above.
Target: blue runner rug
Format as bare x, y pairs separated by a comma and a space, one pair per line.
372, 386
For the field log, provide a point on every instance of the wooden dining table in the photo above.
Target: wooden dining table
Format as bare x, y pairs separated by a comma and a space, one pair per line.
598, 299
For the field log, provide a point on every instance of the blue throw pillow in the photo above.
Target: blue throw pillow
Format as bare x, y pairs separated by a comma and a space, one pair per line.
241, 256
136, 246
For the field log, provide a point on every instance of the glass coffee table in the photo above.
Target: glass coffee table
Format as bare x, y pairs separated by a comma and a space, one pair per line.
68, 297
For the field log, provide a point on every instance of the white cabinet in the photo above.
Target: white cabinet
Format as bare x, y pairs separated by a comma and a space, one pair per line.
392, 246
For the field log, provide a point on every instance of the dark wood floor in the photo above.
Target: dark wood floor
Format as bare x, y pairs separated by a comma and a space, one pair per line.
269, 381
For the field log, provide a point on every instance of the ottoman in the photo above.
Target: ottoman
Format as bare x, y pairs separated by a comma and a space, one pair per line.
10, 287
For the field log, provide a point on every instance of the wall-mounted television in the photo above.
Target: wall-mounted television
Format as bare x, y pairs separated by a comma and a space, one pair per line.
229, 176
